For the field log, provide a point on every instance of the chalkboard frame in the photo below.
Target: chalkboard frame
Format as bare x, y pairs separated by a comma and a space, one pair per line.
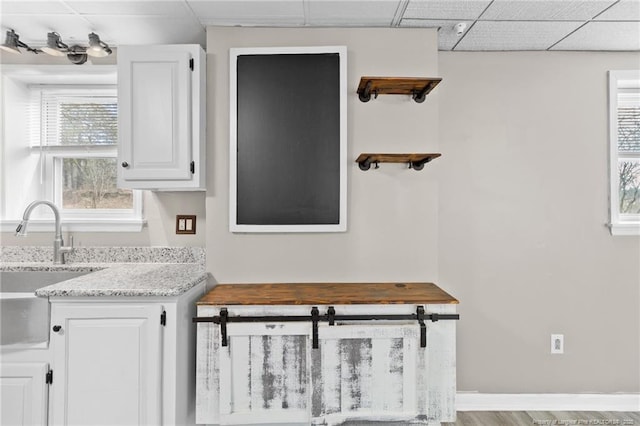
341, 225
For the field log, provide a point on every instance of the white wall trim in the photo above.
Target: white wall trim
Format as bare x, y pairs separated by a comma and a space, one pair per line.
77, 225
471, 401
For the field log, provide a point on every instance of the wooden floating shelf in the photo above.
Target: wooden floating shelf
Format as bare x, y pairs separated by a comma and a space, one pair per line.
415, 161
417, 87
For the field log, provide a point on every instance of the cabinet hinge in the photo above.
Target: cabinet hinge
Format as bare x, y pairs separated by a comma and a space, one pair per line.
192, 167
163, 318
49, 377
191, 64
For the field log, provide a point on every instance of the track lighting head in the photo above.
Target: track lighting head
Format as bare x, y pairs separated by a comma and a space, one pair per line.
12, 43
55, 46
97, 48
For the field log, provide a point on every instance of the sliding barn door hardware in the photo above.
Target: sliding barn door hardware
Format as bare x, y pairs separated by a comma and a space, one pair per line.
330, 317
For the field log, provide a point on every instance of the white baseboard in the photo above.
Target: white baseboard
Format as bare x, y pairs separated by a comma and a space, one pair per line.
472, 401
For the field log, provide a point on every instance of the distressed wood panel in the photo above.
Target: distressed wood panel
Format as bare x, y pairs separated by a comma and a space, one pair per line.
265, 367
440, 371
365, 372
207, 369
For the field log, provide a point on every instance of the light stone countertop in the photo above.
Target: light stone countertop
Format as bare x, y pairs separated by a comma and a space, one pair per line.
126, 279
133, 279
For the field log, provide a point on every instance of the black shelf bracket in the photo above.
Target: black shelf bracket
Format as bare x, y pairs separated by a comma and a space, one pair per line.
365, 95
330, 317
366, 164
419, 165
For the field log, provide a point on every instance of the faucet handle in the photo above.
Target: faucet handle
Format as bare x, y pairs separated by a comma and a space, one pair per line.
67, 248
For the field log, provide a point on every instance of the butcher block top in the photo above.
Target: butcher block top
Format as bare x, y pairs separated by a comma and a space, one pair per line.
326, 294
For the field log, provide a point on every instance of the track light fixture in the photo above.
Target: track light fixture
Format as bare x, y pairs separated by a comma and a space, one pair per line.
97, 48
56, 47
12, 43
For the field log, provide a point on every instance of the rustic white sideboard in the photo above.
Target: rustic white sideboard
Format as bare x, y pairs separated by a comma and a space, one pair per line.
326, 354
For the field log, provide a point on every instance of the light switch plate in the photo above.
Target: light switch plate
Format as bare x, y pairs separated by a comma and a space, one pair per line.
185, 224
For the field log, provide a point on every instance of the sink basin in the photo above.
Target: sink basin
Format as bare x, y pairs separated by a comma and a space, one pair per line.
24, 318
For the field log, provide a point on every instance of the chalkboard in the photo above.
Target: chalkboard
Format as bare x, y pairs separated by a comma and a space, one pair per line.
288, 147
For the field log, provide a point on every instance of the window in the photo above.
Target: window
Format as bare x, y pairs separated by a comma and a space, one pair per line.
64, 149
624, 120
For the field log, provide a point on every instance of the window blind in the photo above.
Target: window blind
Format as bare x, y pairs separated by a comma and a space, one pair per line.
629, 122
79, 119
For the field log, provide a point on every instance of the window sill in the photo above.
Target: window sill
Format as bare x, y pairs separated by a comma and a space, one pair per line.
624, 228
78, 225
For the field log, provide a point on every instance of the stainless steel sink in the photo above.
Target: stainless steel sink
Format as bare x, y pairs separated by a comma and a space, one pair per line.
24, 318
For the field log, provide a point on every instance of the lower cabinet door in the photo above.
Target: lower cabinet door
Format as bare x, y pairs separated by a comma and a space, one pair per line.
106, 364
373, 372
264, 374
23, 394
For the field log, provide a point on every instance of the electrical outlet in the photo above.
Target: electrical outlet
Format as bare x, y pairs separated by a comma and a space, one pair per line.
185, 224
557, 343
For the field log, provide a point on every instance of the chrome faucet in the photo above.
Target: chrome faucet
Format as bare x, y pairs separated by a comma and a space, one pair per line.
59, 249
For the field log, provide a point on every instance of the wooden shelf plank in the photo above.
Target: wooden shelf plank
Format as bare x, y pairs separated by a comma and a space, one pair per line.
418, 87
416, 161
326, 294
396, 158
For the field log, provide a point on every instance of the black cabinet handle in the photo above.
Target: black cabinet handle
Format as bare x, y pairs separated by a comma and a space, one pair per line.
125, 164
57, 328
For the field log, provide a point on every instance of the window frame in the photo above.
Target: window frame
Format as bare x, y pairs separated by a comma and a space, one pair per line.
32, 79
620, 81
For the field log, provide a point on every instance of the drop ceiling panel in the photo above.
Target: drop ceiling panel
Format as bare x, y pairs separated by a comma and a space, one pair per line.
603, 36
352, 13
166, 8
624, 10
447, 36
439, 9
33, 7
148, 29
515, 35
249, 12
33, 29
544, 10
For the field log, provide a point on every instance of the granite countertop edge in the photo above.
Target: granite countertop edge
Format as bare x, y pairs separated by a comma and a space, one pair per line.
117, 279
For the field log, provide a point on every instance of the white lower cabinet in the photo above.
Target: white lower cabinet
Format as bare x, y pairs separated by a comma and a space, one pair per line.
23, 393
123, 360
107, 360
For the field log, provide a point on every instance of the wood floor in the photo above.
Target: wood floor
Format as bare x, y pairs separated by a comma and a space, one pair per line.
533, 418
530, 418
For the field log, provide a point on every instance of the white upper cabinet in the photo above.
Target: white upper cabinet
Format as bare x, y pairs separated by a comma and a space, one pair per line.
161, 118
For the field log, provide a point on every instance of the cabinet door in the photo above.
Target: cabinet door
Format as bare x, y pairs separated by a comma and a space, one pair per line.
368, 372
107, 364
154, 118
23, 392
264, 374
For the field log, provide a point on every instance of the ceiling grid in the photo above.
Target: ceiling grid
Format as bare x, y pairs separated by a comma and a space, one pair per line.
489, 25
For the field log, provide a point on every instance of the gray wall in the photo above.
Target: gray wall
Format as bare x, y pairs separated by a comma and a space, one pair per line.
522, 240
511, 220
392, 212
